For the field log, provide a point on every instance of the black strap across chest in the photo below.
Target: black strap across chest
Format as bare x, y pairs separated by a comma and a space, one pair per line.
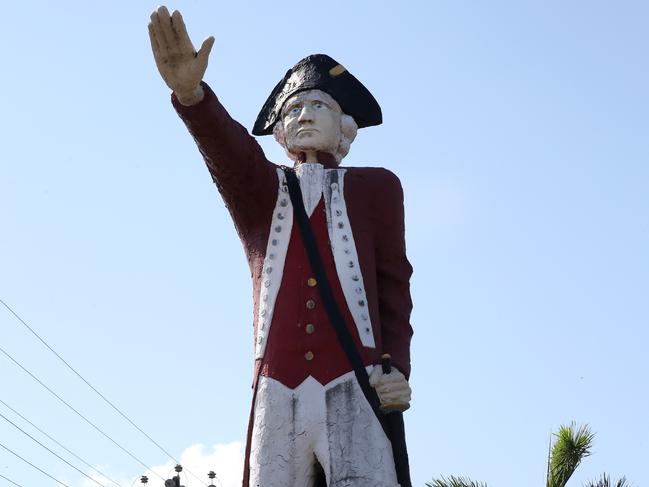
326, 294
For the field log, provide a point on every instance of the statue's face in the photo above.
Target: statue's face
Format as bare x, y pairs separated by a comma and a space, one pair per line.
311, 122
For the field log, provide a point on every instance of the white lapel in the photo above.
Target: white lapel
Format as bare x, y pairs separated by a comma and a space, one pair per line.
273, 269
345, 255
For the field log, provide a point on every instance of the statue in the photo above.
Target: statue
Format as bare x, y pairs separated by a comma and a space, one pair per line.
326, 249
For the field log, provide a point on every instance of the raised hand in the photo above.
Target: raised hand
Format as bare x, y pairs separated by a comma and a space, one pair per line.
181, 67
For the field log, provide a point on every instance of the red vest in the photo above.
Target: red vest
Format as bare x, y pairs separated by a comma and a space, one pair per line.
301, 340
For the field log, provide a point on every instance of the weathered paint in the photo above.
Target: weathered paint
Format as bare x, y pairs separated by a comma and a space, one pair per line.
297, 429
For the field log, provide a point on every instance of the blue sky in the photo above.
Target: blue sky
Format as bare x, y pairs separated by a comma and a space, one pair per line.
520, 133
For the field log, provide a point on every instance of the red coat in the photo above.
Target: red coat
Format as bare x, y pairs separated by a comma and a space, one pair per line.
369, 261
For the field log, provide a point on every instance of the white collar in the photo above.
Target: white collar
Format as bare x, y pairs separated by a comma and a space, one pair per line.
311, 177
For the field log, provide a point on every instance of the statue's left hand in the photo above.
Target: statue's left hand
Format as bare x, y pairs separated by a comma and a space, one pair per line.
393, 389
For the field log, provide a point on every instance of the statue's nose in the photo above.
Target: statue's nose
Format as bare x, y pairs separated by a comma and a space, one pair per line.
306, 114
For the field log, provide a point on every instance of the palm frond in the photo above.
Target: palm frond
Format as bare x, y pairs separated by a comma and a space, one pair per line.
455, 482
572, 444
605, 481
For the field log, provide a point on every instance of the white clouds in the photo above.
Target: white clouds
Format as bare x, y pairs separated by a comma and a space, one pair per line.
225, 459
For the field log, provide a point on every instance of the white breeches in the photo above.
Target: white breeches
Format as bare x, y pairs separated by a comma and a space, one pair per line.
332, 425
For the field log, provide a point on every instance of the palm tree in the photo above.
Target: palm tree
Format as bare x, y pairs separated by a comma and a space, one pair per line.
457, 482
572, 444
605, 481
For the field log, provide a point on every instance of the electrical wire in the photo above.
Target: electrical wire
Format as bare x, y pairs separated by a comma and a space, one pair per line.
197, 478
53, 453
58, 443
10, 481
77, 412
93, 388
29, 463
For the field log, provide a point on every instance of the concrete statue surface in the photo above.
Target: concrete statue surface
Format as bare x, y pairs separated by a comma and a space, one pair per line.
326, 249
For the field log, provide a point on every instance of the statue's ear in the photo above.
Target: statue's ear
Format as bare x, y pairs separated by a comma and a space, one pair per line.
348, 127
348, 131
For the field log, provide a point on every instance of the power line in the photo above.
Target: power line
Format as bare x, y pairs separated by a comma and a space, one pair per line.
78, 413
84, 380
10, 481
29, 463
53, 453
58, 443
93, 388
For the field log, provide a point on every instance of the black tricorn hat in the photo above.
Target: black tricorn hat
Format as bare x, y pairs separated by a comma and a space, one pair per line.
320, 72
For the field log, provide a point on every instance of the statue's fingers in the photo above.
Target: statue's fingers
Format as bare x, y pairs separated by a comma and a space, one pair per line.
393, 389
180, 30
163, 44
388, 381
401, 394
160, 53
390, 377
163, 13
394, 397
400, 387
391, 398
204, 52
155, 45
164, 31
395, 384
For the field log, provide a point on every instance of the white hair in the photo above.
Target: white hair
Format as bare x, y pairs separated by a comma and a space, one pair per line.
348, 131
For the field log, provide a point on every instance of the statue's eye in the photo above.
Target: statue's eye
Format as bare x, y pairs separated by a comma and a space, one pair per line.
318, 105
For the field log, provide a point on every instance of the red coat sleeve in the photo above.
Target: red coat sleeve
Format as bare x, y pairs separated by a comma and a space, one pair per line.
246, 180
393, 276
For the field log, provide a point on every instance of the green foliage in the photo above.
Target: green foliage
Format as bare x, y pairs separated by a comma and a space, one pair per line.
454, 482
605, 481
572, 444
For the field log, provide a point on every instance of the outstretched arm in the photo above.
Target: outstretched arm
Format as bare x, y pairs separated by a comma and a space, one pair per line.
245, 178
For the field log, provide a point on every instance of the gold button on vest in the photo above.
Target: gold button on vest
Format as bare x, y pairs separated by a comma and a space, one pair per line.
310, 328
311, 282
310, 304
308, 355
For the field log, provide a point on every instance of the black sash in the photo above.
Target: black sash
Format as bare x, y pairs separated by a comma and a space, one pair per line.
338, 322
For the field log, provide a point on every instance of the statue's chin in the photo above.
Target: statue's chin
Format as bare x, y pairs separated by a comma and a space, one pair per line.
297, 149
305, 145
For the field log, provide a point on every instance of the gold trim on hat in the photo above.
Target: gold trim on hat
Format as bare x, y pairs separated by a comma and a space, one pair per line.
337, 70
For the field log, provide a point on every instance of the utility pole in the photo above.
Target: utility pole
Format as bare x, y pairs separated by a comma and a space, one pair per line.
175, 480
